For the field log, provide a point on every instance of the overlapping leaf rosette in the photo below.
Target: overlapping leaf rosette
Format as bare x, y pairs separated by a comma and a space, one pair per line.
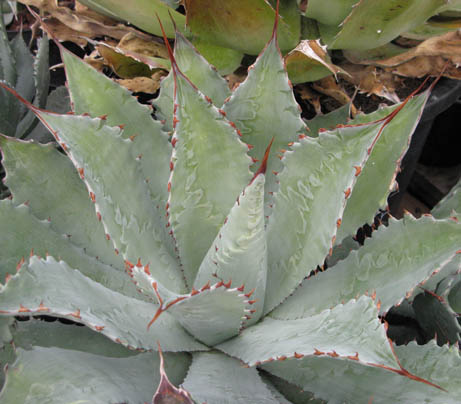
171, 233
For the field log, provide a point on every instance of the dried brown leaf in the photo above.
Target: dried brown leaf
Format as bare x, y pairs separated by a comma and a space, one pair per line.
313, 98
148, 85
430, 57
76, 25
330, 87
372, 80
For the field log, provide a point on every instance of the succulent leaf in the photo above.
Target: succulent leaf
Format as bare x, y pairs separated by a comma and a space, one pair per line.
329, 12
37, 235
348, 381
370, 195
329, 121
7, 59
259, 118
243, 25
450, 205
210, 168
121, 318
112, 175
99, 96
42, 72
166, 392
211, 314
371, 24
239, 251
315, 184
213, 373
317, 335
436, 318
142, 15
60, 196
91, 378
198, 71
389, 266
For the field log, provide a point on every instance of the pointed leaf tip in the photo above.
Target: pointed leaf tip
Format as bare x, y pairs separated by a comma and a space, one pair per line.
263, 167
166, 392
276, 21
174, 66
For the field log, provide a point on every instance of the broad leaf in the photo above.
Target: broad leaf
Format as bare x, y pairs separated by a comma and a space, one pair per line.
373, 23
97, 95
66, 375
239, 251
214, 378
259, 118
58, 196
350, 332
198, 71
377, 177
330, 12
314, 186
123, 319
37, 236
112, 175
350, 382
450, 205
210, 169
389, 266
243, 25
211, 314
143, 15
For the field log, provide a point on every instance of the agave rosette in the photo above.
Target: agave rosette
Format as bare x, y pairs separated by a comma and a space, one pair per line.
213, 249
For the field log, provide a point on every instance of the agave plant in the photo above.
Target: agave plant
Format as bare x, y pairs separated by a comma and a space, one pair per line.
185, 241
433, 309
224, 32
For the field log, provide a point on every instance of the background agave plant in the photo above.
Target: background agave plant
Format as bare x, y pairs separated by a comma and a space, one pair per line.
224, 250
365, 31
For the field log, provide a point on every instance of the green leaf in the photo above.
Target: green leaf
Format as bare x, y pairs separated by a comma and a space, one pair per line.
97, 95
259, 118
243, 25
143, 15
123, 319
212, 373
295, 394
112, 175
314, 186
211, 314
24, 85
345, 331
377, 177
59, 195
329, 121
7, 59
65, 375
37, 235
349, 382
225, 60
330, 12
196, 69
436, 318
390, 264
42, 72
450, 205
239, 251
210, 169
374, 23
54, 334
58, 101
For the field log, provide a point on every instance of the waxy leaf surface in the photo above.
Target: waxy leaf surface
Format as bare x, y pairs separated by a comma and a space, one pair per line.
409, 252
123, 319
